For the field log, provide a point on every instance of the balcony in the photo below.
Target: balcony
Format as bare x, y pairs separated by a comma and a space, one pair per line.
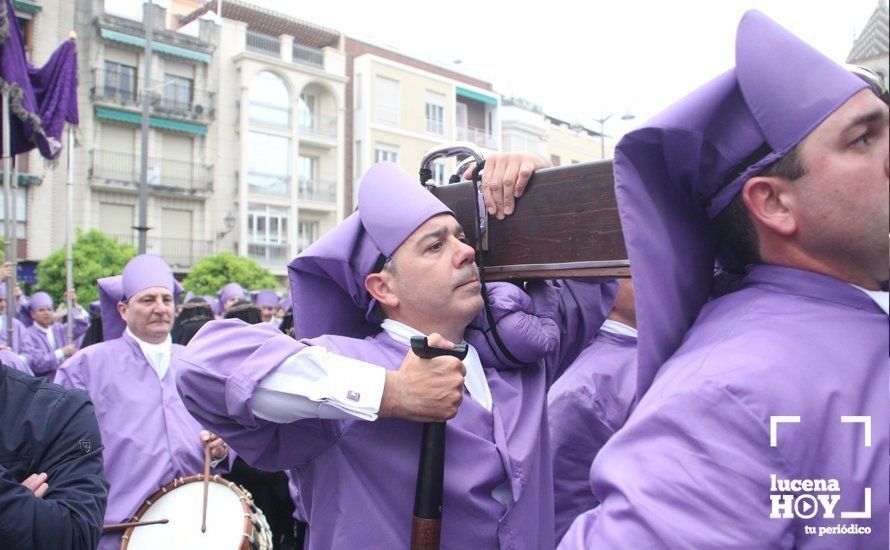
179, 253
478, 136
263, 43
318, 190
435, 126
266, 44
177, 98
163, 174
269, 253
318, 125
261, 183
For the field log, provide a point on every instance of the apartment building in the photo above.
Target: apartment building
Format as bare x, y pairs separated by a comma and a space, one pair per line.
872, 47
402, 106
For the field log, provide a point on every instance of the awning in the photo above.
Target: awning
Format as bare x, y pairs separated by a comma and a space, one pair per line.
463, 92
156, 46
162, 123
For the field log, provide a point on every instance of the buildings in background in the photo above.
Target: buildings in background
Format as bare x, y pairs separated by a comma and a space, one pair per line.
261, 125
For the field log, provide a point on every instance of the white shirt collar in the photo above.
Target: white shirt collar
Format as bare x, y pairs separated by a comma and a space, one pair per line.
880, 297
475, 381
618, 328
41, 329
157, 355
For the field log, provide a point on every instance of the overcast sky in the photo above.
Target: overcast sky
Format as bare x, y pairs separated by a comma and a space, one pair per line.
583, 59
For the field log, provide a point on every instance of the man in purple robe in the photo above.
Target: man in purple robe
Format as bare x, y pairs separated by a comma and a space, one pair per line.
762, 413
267, 301
588, 404
18, 329
342, 408
44, 343
230, 294
150, 439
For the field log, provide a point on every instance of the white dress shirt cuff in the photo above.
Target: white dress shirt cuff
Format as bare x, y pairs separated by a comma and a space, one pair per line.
60, 356
316, 384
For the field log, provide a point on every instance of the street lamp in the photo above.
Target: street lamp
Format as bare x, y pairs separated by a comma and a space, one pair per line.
626, 116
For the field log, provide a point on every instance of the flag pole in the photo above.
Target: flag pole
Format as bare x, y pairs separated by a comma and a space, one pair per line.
7, 201
69, 251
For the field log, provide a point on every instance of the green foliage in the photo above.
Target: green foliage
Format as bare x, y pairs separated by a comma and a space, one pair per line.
212, 272
96, 255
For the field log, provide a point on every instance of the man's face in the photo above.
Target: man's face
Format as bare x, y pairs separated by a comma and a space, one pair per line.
43, 316
149, 314
266, 313
229, 302
436, 278
843, 197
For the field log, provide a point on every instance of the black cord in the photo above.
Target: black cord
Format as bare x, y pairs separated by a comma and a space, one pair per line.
480, 261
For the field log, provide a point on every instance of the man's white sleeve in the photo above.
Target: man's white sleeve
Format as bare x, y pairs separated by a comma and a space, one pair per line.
317, 384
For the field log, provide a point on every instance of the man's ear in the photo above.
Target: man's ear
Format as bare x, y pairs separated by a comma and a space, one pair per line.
379, 285
771, 203
122, 310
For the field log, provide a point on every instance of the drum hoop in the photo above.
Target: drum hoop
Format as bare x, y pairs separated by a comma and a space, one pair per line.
242, 498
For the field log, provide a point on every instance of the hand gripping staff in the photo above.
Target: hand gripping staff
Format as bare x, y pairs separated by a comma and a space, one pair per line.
427, 522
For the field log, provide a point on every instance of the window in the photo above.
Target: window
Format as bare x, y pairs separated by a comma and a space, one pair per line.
387, 100
307, 233
269, 101
384, 152
266, 224
120, 82
177, 92
307, 111
554, 159
435, 113
268, 165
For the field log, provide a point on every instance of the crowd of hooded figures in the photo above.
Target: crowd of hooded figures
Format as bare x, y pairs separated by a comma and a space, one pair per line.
691, 406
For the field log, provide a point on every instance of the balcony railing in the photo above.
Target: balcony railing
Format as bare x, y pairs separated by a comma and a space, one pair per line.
268, 184
476, 135
175, 97
182, 253
435, 126
318, 125
263, 43
318, 190
124, 169
269, 253
308, 56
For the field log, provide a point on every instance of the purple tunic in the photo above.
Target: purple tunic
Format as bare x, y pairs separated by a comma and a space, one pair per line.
150, 439
692, 467
41, 356
587, 405
356, 479
14, 361
18, 334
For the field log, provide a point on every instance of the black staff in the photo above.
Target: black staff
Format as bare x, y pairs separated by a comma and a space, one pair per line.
426, 525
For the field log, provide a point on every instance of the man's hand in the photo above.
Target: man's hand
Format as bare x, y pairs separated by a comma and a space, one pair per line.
218, 447
69, 350
36, 483
425, 390
504, 179
6, 270
16, 292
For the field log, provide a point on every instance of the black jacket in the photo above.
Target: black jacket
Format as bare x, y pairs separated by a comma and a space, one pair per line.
46, 428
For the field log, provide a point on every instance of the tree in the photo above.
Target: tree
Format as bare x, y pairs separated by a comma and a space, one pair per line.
212, 272
96, 255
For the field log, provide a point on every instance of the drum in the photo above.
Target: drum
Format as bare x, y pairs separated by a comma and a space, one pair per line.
232, 519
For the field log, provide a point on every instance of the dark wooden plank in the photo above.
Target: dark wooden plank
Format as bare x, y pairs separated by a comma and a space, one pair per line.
568, 215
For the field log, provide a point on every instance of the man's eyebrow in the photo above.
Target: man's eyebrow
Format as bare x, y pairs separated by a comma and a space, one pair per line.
437, 233
878, 115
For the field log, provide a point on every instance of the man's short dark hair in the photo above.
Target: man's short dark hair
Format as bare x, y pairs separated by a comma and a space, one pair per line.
734, 226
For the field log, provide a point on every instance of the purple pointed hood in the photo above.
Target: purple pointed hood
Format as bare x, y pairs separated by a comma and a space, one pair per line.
111, 291
265, 298
329, 276
40, 300
681, 168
